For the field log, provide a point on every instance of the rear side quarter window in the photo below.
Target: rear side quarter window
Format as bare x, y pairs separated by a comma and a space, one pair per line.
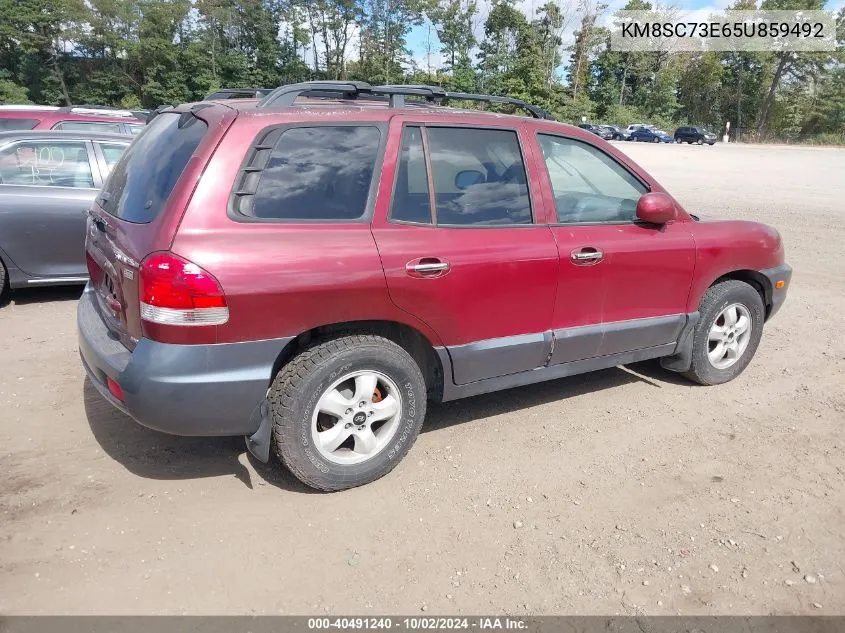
310, 173
17, 124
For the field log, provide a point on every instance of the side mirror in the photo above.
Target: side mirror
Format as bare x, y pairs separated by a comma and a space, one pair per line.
468, 178
656, 208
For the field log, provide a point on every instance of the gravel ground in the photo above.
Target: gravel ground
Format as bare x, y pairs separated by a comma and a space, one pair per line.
623, 491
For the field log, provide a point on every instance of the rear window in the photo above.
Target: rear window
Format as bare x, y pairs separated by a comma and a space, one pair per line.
143, 178
17, 124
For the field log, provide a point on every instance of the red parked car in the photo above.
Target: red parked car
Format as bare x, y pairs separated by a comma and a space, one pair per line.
75, 118
309, 272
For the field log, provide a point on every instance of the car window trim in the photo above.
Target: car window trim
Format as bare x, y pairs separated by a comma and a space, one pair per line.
423, 125
89, 148
100, 156
95, 123
636, 177
257, 144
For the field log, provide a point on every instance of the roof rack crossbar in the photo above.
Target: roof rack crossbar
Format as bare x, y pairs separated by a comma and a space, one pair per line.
287, 95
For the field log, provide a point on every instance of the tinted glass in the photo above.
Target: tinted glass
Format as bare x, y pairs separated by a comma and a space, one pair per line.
588, 185
495, 192
318, 173
411, 202
112, 153
135, 128
143, 178
17, 124
46, 164
88, 126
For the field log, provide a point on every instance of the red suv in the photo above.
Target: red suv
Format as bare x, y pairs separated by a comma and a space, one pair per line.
75, 118
309, 271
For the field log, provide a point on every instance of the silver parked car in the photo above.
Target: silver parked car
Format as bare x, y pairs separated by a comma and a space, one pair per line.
48, 180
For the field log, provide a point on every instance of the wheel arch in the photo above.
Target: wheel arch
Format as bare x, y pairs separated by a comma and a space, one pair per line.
409, 338
756, 280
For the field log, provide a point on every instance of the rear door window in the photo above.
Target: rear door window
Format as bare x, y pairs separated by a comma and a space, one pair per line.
46, 163
479, 177
318, 173
411, 200
146, 173
17, 124
111, 153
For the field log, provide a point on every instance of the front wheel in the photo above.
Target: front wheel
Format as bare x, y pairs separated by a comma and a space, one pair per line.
700, 141
346, 411
656, 140
728, 332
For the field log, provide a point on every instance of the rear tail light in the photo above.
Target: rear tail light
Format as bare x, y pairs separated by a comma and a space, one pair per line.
174, 291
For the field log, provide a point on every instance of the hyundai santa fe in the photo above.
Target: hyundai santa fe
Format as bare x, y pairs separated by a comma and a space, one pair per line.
309, 271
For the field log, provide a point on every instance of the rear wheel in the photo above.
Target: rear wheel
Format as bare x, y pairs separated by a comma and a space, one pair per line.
346, 411
4, 282
728, 332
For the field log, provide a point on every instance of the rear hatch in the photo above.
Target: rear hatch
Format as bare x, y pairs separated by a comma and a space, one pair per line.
141, 205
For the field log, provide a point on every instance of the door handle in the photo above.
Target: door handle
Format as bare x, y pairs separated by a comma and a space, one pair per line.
587, 256
427, 267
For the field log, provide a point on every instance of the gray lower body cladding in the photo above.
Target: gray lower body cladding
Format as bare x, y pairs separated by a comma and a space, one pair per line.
179, 389
565, 352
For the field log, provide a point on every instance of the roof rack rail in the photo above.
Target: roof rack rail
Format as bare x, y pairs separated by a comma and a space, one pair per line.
101, 110
287, 95
535, 111
27, 106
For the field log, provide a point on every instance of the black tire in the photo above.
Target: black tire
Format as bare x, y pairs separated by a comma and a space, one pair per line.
4, 282
298, 387
700, 141
677, 139
718, 297
656, 140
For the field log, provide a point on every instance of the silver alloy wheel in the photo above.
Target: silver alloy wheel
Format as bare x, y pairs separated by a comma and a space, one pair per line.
356, 417
729, 336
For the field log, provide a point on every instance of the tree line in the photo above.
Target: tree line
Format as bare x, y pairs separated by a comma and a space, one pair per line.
144, 53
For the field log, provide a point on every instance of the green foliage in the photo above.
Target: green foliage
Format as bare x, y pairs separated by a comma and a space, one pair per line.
144, 53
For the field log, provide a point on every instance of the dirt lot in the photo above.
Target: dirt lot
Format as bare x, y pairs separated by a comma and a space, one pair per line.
623, 491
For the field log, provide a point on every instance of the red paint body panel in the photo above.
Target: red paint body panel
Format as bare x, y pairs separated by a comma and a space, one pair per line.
726, 246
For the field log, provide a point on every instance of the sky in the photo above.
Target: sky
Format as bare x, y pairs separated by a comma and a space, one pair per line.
418, 39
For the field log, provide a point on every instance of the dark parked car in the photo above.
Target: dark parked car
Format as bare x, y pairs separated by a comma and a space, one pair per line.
75, 119
47, 182
598, 130
617, 133
691, 135
309, 276
650, 135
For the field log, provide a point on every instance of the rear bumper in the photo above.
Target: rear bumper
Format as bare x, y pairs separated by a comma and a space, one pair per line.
179, 389
782, 273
